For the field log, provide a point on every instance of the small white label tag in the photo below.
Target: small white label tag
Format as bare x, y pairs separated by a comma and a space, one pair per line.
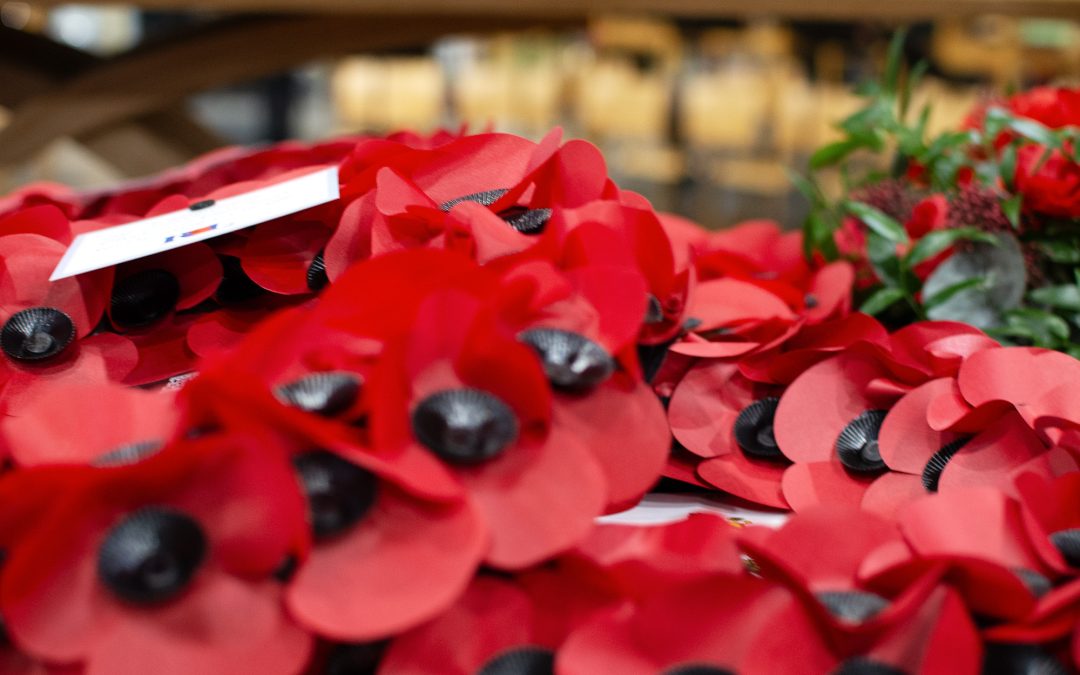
202, 221
660, 509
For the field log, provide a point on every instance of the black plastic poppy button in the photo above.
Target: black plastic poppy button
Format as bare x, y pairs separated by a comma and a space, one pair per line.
338, 492
143, 298
1025, 659
857, 445
654, 311
931, 474
36, 333
1036, 582
572, 362
326, 393
852, 606
464, 426
131, 453
526, 221
521, 661
316, 273
151, 555
754, 429
1067, 543
485, 198
698, 669
861, 665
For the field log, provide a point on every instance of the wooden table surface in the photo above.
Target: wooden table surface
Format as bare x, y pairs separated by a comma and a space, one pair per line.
809, 9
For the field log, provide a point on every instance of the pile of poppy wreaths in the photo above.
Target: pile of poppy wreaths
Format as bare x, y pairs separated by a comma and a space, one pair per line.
412, 405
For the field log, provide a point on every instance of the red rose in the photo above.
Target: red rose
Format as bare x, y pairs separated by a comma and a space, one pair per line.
1052, 189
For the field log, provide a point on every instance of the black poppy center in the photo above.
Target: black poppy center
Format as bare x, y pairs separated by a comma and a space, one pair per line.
522, 219
317, 278
236, 286
151, 555
852, 606
654, 311
36, 333
754, 429
857, 445
354, 659
130, 453
326, 393
143, 298
1067, 543
931, 474
521, 661
571, 361
1037, 583
698, 669
464, 426
338, 492
862, 665
1020, 659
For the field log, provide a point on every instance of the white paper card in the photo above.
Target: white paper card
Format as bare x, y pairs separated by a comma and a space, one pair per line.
115, 245
660, 509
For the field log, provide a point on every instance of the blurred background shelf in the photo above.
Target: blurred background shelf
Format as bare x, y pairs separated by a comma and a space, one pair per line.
701, 106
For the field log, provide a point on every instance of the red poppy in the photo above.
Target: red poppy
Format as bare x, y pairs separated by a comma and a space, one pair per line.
976, 446
115, 572
488, 195
525, 619
828, 420
820, 555
41, 194
1050, 187
98, 419
627, 233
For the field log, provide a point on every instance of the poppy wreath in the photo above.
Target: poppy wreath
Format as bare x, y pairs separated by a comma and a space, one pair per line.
388, 434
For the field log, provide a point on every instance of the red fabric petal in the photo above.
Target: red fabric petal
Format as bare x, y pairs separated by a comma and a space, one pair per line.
1019, 375
492, 616
422, 556
624, 425
528, 502
975, 522
806, 485
820, 403
905, 439
98, 420
989, 457
220, 623
756, 480
891, 491
277, 254
29, 260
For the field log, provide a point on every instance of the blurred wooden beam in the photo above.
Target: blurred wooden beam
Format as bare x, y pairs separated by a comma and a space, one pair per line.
802, 9
31, 66
223, 53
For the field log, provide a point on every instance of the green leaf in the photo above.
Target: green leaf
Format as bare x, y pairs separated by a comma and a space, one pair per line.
1011, 207
1062, 297
833, 153
805, 186
949, 291
818, 235
1007, 167
1048, 330
1065, 252
1000, 119
882, 299
913, 80
877, 221
937, 241
894, 60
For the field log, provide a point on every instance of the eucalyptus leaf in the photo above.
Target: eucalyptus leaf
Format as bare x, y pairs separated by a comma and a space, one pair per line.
1046, 329
1003, 278
1011, 207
